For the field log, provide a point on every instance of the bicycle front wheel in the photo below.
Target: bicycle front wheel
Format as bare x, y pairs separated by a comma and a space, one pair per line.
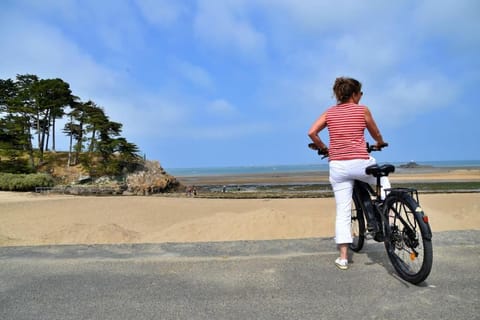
357, 226
408, 237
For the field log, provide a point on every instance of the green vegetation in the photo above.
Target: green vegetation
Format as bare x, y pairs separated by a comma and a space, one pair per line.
453, 186
24, 182
321, 190
30, 108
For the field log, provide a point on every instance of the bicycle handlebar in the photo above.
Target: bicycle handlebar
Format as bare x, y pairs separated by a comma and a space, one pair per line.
320, 152
324, 152
375, 147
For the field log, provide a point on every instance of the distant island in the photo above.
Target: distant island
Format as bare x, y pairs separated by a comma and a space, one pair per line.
414, 165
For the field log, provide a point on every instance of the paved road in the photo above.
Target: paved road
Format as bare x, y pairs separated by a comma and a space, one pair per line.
293, 279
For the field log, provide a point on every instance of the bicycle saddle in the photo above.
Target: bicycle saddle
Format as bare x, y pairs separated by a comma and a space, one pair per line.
380, 171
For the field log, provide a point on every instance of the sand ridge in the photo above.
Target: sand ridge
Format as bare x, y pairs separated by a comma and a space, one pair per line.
29, 219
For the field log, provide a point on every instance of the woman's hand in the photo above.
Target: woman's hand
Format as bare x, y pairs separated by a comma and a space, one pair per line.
321, 151
378, 146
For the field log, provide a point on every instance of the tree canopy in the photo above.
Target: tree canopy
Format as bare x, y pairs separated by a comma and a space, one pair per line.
29, 110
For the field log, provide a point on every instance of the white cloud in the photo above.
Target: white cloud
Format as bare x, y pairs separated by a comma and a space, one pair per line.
46, 52
314, 15
158, 117
161, 12
109, 25
456, 21
402, 99
159, 76
224, 25
368, 51
221, 107
147, 116
230, 131
194, 74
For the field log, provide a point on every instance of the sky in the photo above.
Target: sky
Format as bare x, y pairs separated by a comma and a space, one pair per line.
208, 83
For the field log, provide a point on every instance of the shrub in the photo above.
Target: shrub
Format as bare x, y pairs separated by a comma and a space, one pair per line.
24, 182
15, 166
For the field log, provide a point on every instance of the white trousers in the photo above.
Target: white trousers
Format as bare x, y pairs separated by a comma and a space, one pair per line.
342, 176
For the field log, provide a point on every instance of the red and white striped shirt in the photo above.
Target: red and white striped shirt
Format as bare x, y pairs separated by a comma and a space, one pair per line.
346, 126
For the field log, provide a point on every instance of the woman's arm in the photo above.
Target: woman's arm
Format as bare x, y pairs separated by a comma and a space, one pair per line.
318, 125
372, 128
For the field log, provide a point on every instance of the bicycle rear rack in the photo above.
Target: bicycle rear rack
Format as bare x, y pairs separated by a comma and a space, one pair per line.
413, 192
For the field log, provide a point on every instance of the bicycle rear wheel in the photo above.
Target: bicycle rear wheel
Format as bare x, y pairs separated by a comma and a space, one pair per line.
357, 226
408, 237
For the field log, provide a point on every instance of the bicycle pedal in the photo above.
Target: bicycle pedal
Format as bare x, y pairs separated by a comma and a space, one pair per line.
372, 228
379, 237
369, 235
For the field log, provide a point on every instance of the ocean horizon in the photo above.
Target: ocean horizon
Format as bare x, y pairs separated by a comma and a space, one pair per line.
323, 167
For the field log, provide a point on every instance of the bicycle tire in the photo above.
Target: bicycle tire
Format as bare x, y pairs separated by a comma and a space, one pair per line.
407, 237
357, 226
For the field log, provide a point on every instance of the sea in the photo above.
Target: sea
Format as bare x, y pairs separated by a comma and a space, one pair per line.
424, 166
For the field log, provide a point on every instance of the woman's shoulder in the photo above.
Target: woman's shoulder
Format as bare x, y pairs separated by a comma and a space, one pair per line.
360, 107
345, 106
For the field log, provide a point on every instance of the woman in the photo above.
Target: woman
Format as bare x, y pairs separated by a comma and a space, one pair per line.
348, 157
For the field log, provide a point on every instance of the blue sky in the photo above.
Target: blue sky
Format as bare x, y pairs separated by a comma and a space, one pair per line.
239, 82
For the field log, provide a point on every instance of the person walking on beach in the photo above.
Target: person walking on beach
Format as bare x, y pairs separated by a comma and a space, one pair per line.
348, 156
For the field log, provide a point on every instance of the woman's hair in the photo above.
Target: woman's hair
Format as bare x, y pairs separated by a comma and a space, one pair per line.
344, 88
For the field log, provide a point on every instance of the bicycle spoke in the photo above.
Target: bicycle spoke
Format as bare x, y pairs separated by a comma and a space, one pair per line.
405, 245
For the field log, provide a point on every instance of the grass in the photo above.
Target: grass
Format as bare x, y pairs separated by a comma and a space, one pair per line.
473, 186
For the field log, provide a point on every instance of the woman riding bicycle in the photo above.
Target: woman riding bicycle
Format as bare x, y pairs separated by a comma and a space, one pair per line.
348, 157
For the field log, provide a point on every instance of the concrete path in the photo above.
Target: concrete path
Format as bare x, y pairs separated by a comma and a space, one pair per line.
281, 279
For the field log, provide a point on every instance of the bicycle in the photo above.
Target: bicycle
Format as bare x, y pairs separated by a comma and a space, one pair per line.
398, 221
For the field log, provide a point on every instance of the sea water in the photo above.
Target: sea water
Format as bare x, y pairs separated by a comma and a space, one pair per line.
269, 169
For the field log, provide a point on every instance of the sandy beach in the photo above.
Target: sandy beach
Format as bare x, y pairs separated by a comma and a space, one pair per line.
48, 219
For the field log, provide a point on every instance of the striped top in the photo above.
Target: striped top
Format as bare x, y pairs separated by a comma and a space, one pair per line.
346, 127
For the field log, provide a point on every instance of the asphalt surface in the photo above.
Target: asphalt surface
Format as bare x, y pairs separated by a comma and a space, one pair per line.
279, 279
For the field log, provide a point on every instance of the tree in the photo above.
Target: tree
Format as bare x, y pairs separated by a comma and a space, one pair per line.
95, 119
22, 111
11, 144
51, 97
72, 130
75, 128
108, 130
32, 104
7, 93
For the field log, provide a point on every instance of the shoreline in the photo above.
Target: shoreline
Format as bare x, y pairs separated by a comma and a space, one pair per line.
457, 174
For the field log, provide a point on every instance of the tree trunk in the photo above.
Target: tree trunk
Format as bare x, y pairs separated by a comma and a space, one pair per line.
78, 148
92, 141
70, 151
53, 135
30, 149
47, 133
45, 128
70, 144
38, 130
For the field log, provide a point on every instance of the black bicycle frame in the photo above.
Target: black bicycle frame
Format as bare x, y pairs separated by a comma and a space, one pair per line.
362, 193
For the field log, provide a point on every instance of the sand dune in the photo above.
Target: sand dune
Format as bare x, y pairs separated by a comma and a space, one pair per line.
30, 219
